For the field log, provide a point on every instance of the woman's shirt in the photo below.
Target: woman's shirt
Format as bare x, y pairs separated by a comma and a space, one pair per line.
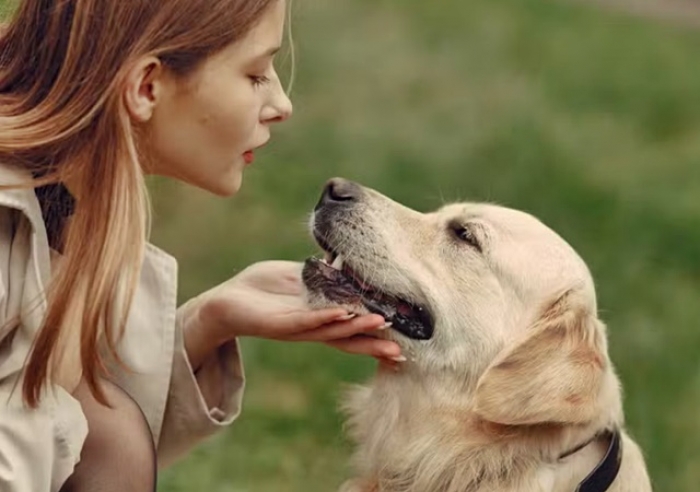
40, 447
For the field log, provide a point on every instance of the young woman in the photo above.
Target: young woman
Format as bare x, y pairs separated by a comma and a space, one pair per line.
101, 377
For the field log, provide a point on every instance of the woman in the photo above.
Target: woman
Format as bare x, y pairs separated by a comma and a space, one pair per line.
101, 378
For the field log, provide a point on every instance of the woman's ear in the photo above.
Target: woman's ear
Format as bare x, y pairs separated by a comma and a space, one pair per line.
144, 88
555, 375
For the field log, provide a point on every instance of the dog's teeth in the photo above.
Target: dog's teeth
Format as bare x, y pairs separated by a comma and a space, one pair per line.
338, 262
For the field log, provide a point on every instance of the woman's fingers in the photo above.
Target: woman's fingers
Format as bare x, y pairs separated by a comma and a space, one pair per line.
388, 364
344, 332
337, 330
289, 326
374, 347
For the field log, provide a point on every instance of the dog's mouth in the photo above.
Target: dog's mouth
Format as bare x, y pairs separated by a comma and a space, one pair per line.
340, 284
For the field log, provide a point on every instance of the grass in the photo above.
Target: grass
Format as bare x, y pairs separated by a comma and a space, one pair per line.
584, 117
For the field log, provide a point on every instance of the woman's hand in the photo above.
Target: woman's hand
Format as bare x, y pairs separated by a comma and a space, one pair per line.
266, 300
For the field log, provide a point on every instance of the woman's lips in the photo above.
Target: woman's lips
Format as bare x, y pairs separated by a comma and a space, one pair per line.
249, 156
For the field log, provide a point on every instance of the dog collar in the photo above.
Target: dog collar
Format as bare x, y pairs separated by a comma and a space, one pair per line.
604, 474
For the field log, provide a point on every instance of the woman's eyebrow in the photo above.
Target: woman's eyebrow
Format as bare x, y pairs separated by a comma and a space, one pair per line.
270, 52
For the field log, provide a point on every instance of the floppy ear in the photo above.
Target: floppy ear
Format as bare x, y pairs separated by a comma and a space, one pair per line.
554, 375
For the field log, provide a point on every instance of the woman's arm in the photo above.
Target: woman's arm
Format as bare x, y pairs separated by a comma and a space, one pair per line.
207, 381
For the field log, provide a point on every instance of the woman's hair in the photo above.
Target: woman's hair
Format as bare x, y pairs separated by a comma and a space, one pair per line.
63, 65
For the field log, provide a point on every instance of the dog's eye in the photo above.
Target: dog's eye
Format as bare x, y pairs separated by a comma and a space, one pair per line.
465, 234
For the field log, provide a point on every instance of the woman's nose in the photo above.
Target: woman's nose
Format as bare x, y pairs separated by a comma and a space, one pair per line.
279, 107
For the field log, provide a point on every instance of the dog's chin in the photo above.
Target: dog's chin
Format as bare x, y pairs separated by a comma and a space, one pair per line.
332, 284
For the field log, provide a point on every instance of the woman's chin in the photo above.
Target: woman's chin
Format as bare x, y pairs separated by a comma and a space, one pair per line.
226, 188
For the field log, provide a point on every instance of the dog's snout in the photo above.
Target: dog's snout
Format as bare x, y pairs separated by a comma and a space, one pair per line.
338, 197
339, 190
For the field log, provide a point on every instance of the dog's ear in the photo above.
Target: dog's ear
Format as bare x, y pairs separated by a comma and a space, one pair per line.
555, 375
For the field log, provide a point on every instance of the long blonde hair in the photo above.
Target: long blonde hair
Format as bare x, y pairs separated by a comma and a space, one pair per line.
62, 68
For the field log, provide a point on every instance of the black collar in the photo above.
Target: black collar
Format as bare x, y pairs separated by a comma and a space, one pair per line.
57, 205
604, 474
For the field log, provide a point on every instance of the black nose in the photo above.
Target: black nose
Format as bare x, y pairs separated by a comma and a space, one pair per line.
339, 190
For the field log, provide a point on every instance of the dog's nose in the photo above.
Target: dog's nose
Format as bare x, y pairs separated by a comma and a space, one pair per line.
339, 190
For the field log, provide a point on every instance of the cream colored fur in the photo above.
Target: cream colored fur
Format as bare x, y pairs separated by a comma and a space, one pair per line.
516, 374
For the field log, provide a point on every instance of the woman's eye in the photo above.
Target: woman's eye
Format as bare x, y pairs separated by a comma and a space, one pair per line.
259, 80
466, 235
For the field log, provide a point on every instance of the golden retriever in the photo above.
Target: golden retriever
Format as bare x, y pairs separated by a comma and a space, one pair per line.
507, 386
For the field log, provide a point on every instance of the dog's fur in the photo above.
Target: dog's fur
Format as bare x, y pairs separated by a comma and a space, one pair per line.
517, 372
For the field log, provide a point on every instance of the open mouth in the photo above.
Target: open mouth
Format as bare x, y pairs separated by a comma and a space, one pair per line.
340, 284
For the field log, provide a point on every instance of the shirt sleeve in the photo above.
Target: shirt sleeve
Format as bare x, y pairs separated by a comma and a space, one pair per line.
201, 403
182, 408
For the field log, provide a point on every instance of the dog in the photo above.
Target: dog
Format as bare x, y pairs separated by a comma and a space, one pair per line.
507, 386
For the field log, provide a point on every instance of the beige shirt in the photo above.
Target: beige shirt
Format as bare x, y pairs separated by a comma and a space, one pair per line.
40, 448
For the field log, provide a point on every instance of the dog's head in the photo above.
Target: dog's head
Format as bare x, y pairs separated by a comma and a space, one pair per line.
485, 293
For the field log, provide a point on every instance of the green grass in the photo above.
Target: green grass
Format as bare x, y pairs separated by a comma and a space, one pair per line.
586, 118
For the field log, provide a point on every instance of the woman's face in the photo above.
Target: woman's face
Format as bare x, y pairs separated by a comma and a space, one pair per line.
205, 128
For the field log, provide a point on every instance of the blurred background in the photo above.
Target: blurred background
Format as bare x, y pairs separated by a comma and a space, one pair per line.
579, 112
583, 115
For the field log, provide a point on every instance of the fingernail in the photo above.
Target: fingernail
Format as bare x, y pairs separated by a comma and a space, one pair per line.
399, 358
385, 326
346, 317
